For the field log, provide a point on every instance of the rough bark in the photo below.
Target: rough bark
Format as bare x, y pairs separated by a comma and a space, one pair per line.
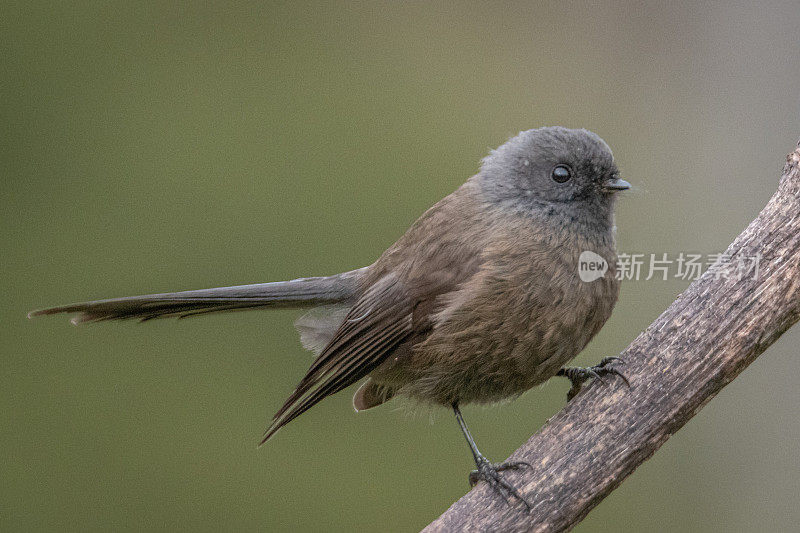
715, 328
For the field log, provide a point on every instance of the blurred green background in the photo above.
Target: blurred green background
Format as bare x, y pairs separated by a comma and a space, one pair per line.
153, 146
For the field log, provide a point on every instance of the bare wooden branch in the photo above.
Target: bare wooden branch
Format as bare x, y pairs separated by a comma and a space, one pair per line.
717, 327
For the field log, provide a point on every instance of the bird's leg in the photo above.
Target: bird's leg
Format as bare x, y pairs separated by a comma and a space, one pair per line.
487, 471
579, 375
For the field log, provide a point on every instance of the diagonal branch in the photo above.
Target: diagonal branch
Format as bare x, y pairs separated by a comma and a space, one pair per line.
717, 327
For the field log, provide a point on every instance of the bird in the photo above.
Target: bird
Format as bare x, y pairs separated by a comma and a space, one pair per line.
477, 302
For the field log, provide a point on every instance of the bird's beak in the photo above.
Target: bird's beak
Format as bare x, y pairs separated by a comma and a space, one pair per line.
615, 184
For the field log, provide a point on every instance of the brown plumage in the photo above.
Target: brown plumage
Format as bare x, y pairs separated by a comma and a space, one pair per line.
478, 301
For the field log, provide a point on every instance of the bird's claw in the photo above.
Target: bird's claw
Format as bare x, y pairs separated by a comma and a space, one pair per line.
579, 375
490, 473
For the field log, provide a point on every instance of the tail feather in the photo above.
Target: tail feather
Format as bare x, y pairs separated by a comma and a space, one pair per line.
304, 292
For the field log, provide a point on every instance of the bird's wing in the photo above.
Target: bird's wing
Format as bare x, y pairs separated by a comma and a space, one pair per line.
379, 321
403, 292
405, 289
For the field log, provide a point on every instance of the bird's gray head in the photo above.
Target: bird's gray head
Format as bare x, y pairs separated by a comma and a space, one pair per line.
566, 175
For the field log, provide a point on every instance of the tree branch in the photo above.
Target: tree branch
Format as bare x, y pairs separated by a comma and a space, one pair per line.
717, 327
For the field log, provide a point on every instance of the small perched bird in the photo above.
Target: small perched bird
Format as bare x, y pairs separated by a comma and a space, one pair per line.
480, 300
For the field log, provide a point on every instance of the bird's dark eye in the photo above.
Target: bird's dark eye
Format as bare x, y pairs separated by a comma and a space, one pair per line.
561, 173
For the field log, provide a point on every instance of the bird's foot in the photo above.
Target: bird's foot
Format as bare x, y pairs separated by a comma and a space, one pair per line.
490, 473
579, 375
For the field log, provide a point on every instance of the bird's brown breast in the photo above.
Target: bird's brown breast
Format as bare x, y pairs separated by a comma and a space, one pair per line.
520, 317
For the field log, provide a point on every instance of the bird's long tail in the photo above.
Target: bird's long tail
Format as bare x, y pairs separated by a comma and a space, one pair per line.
304, 292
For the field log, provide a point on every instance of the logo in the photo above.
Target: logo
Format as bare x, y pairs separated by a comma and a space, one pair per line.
591, 266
